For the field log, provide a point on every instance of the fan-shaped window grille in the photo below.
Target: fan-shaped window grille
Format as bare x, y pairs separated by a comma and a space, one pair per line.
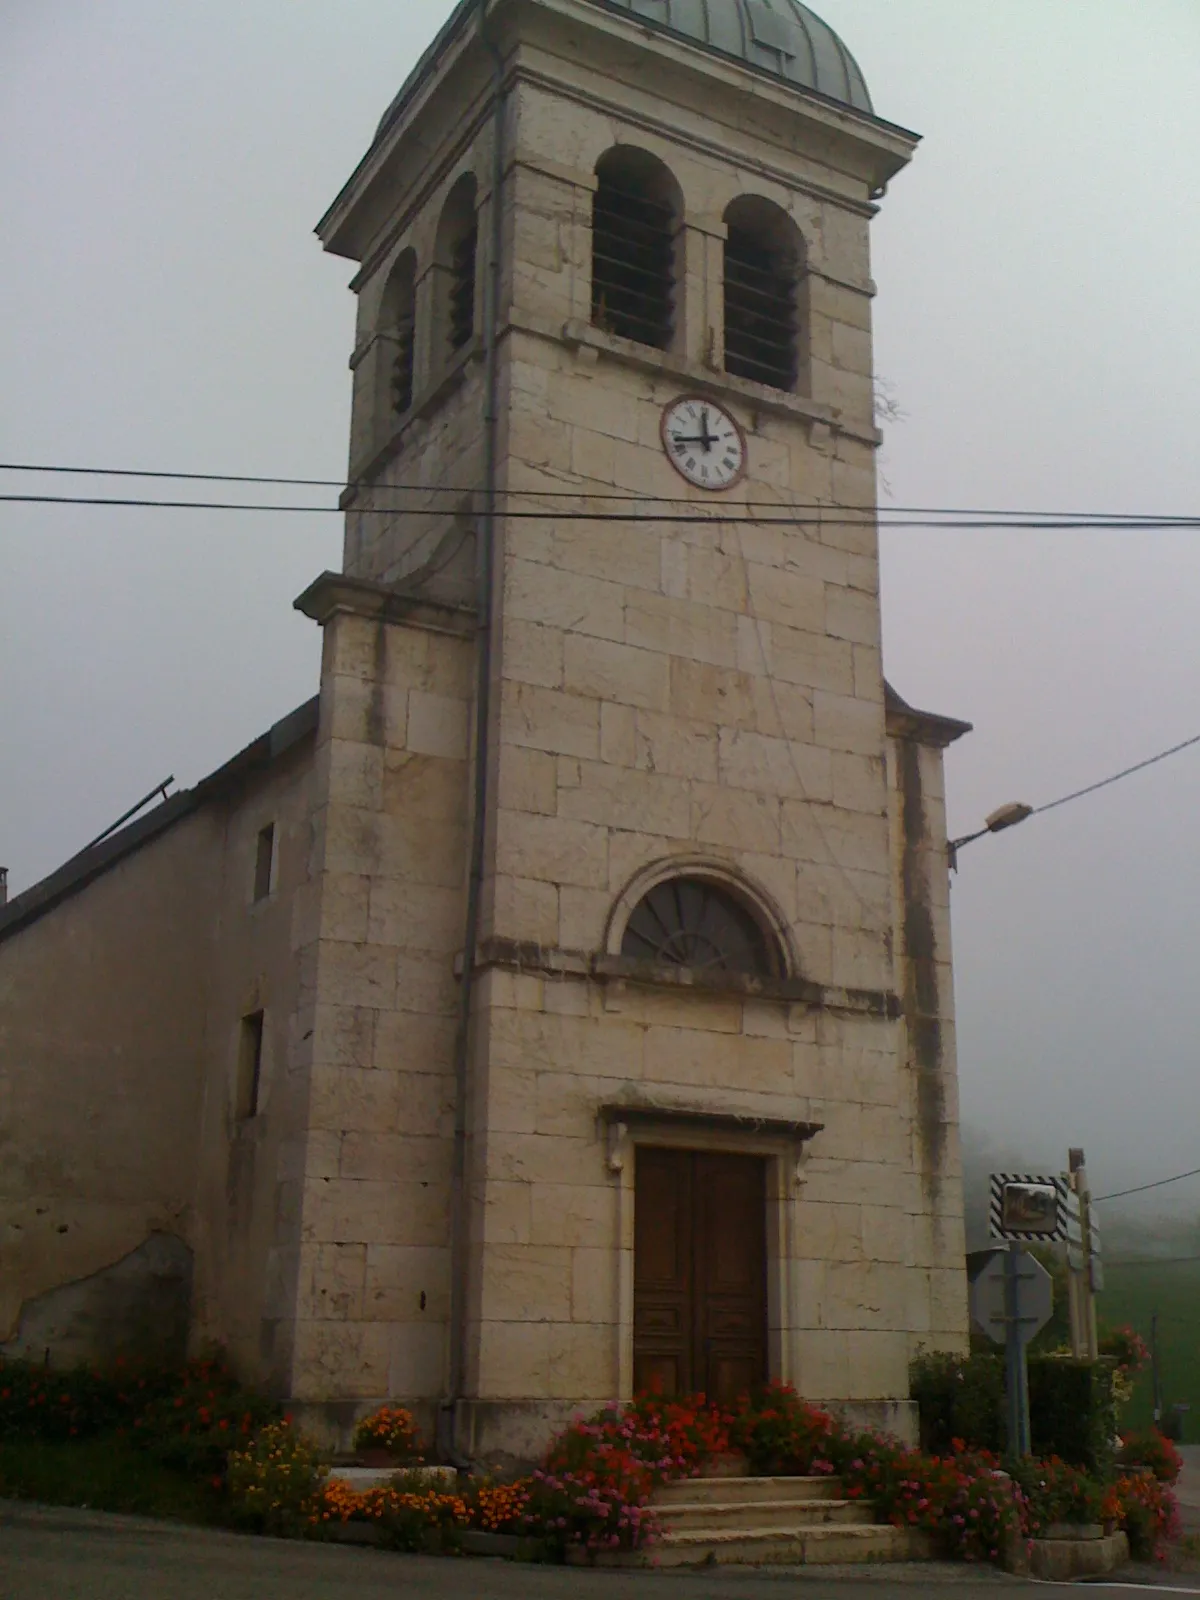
687, 922
633, 248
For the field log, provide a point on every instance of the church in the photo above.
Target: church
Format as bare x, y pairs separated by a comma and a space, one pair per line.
559, 1005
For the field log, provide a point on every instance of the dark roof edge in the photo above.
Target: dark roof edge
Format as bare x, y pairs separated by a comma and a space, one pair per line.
75, 875
466, 11
926, 727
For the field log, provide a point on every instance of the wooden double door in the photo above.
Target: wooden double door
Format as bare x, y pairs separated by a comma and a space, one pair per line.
700, 1273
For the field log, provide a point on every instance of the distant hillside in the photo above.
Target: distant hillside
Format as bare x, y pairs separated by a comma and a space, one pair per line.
1131, 1295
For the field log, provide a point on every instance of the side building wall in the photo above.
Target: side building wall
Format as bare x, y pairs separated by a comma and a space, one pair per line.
138, 1209
102, 1022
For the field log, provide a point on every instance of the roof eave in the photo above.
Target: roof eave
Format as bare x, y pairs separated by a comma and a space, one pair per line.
80, 870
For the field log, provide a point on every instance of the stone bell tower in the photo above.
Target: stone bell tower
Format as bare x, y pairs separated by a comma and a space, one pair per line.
626, 1069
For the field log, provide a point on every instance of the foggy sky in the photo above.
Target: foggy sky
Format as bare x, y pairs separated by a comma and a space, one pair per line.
166, 305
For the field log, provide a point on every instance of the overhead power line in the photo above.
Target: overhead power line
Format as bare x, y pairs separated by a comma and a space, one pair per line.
1160, 1183
1005, 515
1153, 1261
1103, 784
821, 517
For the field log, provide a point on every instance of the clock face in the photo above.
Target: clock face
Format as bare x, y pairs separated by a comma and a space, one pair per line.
703, 442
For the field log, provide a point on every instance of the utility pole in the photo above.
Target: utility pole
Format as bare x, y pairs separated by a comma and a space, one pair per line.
1085, 1340
1155, 1374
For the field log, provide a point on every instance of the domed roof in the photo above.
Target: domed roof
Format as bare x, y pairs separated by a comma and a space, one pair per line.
779, 37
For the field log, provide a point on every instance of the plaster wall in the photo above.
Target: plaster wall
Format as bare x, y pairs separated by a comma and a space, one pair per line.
102, 1023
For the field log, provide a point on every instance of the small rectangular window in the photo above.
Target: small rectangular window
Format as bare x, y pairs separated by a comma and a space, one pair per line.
250, 1048
263, 862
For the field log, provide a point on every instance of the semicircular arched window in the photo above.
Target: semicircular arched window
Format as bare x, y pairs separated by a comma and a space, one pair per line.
689, 922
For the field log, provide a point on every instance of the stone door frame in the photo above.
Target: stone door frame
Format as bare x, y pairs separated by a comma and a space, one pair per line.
780, 1143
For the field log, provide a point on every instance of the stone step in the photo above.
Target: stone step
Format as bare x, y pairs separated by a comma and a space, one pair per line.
822, 1546
788, 1514
728, 1491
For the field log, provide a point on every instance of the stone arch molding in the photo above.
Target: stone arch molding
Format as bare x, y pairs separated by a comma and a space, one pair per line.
752, 896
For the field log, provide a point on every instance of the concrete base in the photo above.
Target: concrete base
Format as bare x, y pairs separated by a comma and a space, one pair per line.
897, 1418
1060, 1560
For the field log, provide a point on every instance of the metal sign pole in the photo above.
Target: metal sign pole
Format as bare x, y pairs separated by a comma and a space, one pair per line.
1016, 1367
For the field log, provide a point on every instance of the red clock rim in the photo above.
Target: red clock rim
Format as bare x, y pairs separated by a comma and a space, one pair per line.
707, 400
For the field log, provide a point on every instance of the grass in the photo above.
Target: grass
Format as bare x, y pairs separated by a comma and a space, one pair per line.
104, 1474
1132, 1294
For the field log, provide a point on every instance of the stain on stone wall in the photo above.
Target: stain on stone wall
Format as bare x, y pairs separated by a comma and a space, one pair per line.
138, 1309
921, 997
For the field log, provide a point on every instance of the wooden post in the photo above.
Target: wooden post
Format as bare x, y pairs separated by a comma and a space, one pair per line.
1085, 1343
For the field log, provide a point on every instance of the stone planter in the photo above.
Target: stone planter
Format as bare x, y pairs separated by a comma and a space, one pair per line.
1075, 1530
728, 1466
1061, 1560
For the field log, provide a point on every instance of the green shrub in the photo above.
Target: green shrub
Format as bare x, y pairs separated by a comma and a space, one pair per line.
186, 1418
1055, 1492
960, 1398
104, 1473
1072, 1414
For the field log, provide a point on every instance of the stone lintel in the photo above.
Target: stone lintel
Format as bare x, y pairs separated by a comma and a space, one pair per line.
641, 1115
527, 956
334, 593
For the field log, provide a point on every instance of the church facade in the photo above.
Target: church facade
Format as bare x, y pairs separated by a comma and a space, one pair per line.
560, 1005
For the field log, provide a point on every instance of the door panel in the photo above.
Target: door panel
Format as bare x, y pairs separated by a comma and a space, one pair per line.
732, 1271
700, 1303
663, 1250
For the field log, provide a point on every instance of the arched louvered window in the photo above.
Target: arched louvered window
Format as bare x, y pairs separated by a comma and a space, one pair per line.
690, 922
635, 220
399, 326
457, 250
763, 266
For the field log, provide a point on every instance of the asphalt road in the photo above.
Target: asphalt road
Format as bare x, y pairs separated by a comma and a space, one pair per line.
76, 1555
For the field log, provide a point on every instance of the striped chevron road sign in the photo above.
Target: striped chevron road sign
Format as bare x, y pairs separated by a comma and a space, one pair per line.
1028, 1208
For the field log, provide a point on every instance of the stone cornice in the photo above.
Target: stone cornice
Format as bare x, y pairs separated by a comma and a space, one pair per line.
922, 727
759, 396
522, 956
664, 128
334, 594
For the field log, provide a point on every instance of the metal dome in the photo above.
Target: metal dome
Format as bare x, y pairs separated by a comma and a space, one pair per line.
780, 37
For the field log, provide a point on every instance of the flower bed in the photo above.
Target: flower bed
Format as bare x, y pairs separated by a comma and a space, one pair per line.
391, 1433
1146, 1510
592, 1493
1150, 1449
